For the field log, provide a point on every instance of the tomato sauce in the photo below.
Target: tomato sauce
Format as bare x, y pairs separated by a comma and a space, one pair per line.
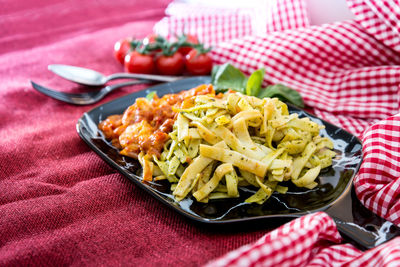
144, 126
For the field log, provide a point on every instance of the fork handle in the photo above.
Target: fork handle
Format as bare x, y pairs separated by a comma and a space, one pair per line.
139, 76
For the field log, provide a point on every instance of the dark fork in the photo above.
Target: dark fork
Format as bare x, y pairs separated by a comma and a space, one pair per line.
83, 98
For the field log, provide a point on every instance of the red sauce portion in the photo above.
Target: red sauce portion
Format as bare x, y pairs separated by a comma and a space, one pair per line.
145, 125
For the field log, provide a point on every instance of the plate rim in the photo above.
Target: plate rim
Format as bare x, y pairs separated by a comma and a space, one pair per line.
170, 204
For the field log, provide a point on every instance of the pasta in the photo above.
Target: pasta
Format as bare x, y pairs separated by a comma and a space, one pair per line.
218, 143
143, 129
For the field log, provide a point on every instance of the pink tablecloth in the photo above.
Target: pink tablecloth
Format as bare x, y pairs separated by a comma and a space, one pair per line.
60, 204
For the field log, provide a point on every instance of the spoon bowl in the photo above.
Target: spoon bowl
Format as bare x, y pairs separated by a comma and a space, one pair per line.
90, 77
79, 75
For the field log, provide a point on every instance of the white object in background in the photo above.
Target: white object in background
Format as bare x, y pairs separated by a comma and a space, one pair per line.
319, 11
259, 10
225, 3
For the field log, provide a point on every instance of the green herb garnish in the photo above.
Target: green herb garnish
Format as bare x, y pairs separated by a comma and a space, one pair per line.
150, 95
225, 77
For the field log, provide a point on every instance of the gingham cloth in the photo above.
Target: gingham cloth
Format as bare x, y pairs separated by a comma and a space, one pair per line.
349, 74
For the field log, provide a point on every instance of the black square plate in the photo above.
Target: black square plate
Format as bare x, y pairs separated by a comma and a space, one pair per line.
333, 181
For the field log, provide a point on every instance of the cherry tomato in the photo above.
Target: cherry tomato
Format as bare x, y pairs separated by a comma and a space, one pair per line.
121, 48
198, 64
150, 39
170, 65
139, 63
153, 41
184, 50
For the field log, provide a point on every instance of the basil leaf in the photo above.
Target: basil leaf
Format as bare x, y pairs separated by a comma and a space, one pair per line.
254, 83
214, 71
283, 93
226, 77
150, 95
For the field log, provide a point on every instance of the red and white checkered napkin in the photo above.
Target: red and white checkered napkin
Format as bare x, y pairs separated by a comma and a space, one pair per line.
311, 240
378, 182
349, 74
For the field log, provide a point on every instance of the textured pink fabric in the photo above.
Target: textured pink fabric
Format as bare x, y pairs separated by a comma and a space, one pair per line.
60, 204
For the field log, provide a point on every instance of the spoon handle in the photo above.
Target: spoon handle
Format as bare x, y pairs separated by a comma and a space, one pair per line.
151, 77
111, 88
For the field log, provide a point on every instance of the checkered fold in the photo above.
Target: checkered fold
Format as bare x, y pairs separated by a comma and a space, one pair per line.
348, 73
378, 181
311, 240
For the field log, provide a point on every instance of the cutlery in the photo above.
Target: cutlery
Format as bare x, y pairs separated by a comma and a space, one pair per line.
93, 78
86, 98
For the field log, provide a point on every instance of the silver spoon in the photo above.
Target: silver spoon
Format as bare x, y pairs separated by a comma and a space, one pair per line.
93, 78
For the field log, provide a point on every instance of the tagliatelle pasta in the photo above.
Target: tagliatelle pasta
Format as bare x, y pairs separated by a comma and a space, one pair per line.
219, 143
143, 129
